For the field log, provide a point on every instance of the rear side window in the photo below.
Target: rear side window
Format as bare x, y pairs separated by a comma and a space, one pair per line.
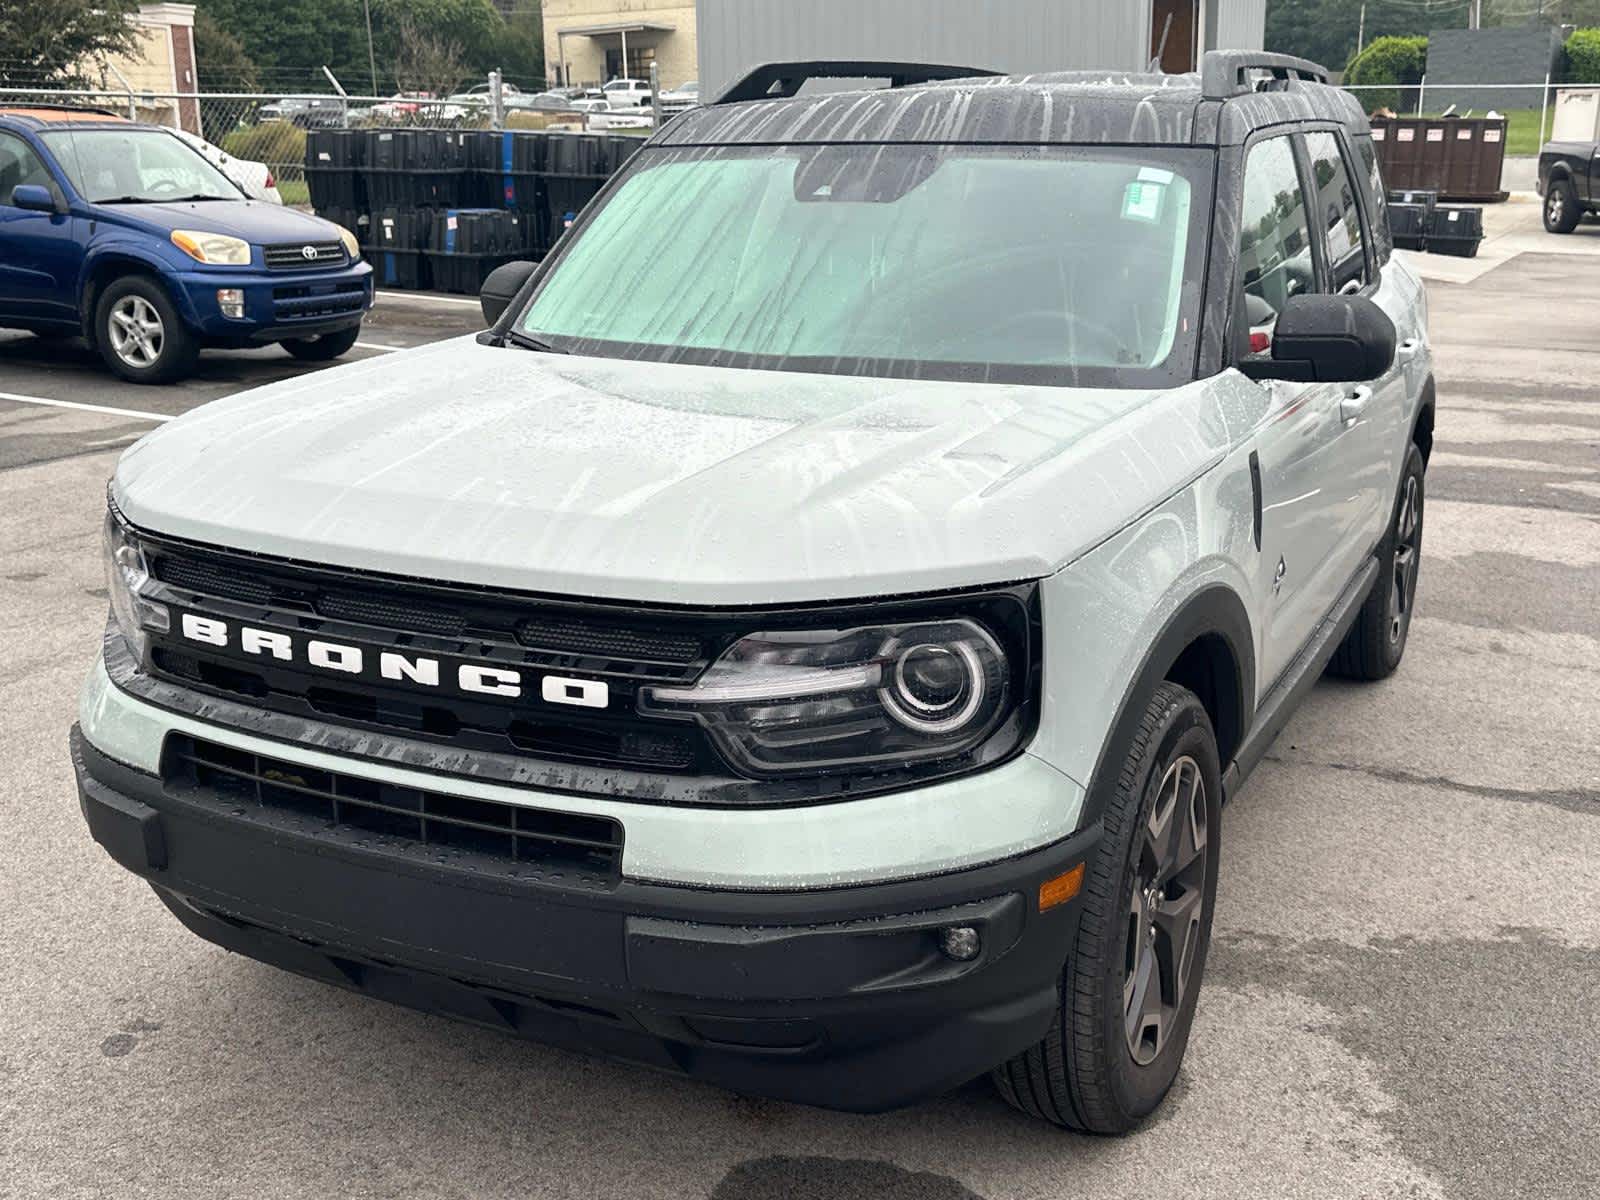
1338, 215
1274, 234
18, 165
1377, 196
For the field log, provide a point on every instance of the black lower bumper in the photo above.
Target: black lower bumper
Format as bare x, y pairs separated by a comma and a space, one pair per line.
838, 997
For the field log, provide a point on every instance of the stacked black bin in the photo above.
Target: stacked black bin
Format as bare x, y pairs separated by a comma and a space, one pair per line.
333, 170
397, 246
442, 208
1408, 223
468, 243
1455, 230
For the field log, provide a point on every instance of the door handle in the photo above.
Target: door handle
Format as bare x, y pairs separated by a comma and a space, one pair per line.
1354, 403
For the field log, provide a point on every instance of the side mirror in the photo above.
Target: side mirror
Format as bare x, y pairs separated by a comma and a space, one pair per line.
34, 197
1327, 339
501, 288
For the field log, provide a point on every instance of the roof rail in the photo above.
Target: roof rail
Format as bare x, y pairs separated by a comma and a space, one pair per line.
779, 80
1225, 73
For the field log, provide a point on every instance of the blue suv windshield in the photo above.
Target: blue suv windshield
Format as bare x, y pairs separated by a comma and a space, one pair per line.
1072, 265
136, 166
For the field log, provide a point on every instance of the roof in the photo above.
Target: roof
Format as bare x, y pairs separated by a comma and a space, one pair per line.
49, 114
615, 27
1058, 107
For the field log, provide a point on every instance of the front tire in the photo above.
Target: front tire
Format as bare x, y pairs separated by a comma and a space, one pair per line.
139, 333
324, 347
1133, 974
1377, 641
1562, 210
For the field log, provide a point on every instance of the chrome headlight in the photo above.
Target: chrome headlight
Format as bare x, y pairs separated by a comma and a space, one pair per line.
215, 249
815, 701
126, 575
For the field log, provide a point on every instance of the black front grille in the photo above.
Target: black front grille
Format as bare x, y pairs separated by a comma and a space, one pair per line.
509, 832
294, 256
532, 636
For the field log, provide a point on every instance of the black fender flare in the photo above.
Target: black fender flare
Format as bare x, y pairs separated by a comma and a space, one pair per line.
1215, 610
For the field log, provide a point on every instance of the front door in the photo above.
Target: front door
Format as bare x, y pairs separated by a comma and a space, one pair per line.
39, 256
1172, 34
1314, 460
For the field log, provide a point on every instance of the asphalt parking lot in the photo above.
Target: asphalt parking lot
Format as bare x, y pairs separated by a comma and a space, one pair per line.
1402, 998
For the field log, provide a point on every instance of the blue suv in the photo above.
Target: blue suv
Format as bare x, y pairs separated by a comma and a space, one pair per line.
122, 233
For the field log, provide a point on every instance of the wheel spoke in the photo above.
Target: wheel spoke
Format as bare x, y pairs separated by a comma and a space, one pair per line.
1177, 923
1143, 1006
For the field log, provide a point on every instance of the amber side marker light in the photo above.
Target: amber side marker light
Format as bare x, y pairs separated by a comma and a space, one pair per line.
1060, 889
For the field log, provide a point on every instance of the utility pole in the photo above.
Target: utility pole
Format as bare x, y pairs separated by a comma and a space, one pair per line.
1361, 31
1477, 14
372, 61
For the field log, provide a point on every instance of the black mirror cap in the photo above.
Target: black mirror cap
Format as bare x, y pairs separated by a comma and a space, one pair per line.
501, 288
35, 198
1327, 339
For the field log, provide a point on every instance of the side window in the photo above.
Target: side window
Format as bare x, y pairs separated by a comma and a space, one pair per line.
1377, 196
18, 165
1274, 236
1338, 212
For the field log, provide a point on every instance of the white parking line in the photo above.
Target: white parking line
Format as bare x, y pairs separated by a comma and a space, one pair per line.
98, 408
430, 298
381, 346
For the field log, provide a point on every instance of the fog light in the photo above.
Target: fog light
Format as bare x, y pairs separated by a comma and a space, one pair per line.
960, 942
231, 302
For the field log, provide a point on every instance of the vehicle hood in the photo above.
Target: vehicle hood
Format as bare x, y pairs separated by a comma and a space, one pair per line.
680, 484
262, 224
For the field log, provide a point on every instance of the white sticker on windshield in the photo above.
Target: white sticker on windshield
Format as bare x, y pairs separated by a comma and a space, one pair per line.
1155, 175
1141, 201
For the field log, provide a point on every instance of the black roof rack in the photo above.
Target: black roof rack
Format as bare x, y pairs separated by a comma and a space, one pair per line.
783, 79
1225, 73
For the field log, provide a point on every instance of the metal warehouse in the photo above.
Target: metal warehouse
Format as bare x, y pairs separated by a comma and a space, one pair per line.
1003, 35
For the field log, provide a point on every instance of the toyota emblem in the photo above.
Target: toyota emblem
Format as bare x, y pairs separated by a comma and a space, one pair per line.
309, 252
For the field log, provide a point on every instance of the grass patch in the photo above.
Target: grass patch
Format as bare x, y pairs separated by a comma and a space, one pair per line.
294, 191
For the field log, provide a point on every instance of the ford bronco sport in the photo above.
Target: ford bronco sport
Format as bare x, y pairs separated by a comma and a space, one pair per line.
807, 641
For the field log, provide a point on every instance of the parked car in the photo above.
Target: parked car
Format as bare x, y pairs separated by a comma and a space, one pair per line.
591, 104
685, 95
308, 112
626, 93
253, 178
412, 108
541, 102
480, 93
125, 234
1569, 181
813, 660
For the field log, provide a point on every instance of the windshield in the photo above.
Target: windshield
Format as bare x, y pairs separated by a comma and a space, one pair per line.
1065, 265
132, 166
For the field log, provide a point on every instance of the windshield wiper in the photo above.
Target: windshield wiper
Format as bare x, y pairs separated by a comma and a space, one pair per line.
127, 200
201, 196
528, 342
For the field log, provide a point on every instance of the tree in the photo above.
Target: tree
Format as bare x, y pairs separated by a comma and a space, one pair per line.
522, 50
425, 61
220, 58
59, 42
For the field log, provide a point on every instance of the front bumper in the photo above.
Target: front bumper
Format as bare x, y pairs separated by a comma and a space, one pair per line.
837, 997
277, 304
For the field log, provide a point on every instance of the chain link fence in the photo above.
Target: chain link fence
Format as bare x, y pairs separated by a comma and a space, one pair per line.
272, 128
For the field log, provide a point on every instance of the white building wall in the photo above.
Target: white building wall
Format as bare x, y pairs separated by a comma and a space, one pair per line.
1003, 35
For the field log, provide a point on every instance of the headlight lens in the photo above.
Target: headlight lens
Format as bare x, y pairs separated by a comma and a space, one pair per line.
820, 700
126, 573
351, 246
214, 249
